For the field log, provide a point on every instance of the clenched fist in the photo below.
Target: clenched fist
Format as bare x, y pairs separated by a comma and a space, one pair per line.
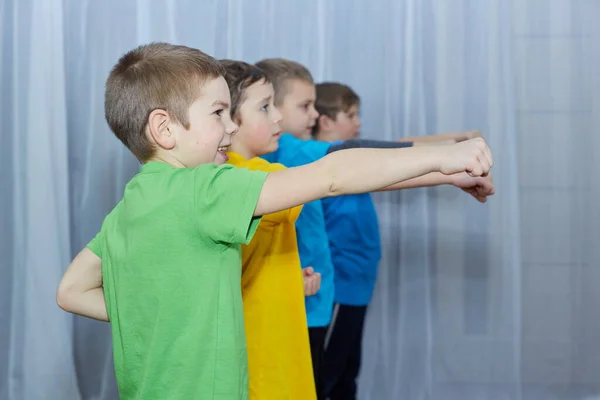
479, 187
312, 281
471, 156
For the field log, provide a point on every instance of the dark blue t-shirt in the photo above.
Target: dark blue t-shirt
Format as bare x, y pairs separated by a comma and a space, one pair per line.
355, 245
354, 241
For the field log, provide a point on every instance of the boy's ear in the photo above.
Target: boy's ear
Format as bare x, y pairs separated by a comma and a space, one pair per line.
161, 129
325, 123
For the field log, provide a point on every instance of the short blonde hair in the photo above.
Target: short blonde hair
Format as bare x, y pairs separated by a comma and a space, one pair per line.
280, 71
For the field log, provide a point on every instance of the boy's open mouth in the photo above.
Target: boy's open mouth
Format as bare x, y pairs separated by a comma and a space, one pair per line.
221, 150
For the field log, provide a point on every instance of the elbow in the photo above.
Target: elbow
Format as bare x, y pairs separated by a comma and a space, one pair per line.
63, 297
335, 188
335, 183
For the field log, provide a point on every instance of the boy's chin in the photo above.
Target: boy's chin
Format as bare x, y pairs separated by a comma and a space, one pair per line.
221, 158
303, 134
269, 149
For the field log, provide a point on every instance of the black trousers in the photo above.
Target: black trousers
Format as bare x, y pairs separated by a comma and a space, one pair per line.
343, 347
317, 345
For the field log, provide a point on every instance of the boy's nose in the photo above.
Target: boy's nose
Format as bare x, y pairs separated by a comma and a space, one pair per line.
314, 113
232, 128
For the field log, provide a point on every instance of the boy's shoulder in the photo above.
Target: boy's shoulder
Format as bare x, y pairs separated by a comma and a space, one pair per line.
172, 197
155, 173
165, 179
156, 167
158, 183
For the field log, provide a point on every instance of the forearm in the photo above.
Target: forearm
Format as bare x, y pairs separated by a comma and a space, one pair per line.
431, 179
366, 170
344, 172
439, 143
80, 290
444, 138
427, 180
89, 304
478, 187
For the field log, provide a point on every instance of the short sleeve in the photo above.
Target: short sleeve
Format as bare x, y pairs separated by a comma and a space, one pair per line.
225, 198
95, 245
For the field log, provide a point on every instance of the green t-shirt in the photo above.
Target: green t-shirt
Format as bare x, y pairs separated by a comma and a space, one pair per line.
171, 266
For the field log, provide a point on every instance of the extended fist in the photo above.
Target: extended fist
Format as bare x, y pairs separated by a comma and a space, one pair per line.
479, 187
471, 156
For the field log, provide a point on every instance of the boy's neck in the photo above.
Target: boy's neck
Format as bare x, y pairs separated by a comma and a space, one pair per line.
301, 136
165, 159
326, 136
244, 152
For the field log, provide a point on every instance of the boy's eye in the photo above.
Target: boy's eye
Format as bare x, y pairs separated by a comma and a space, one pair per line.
219, 112
265, 107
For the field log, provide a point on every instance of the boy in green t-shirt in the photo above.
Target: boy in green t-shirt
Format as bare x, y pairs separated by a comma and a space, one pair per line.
165, 267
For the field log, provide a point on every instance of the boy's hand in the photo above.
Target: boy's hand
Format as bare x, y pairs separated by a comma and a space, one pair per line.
472, 156
478, 187
312, 281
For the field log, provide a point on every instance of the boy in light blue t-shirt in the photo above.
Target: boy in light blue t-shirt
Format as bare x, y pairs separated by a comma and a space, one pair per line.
353, 232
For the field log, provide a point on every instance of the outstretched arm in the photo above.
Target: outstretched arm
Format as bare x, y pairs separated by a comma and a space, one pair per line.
479, 187
368, 144
80, 290
442, 138
365, 170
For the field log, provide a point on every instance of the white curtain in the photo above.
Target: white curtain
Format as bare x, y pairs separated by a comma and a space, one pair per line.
474, 302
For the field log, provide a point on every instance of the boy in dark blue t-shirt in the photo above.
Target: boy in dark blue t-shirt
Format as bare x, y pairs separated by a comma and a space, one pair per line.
354, 242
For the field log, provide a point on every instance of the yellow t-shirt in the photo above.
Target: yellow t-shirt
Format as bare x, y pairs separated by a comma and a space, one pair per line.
279, 361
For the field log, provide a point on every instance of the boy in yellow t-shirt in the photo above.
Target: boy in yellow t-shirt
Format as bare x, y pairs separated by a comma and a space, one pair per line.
279, 360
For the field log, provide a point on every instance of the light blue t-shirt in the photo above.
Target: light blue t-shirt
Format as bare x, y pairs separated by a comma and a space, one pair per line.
355, 245
310, 228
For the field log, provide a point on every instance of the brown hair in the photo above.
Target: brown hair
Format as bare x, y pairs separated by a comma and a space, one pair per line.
240, 76
149, 77
280, 71
333, 97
